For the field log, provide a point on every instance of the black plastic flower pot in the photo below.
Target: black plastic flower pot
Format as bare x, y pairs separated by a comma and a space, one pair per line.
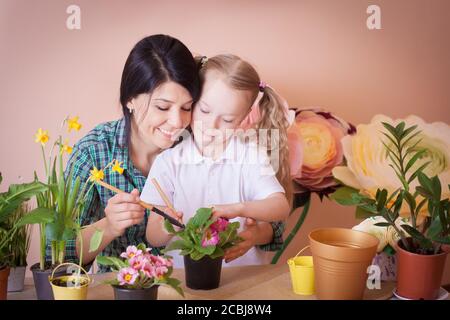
42, 285
121, 293
203, 274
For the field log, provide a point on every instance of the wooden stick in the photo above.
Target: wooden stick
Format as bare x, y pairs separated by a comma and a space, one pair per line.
143, 204
162, 194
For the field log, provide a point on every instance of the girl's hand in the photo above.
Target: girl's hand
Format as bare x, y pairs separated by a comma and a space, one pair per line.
249, 237
123, 211
178, 215
228, 211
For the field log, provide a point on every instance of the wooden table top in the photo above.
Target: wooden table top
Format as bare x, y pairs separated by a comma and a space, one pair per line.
266, 282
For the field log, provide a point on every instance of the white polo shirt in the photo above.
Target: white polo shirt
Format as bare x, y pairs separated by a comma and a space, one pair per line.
191, 181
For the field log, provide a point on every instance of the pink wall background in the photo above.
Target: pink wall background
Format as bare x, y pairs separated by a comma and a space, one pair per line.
313, 52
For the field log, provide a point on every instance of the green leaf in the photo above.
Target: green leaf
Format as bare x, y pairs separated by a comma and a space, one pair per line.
392, 140
389, 250
391, 153
37, 216
73, 195
175, 284
400, 129
217, 253
410, 200
345, 196
407, 131
404, 143
96, 240
208, 250
445, 240
169, 227
141, 246
16, 195
186, 252
111, 261
68, 188
195, 255
382, 224
425, 182
435, 229
362, 213
436, 186
423, 192
423, 241
414, 159
391, 129
176, 245
419, 170
381, 199
202, 215
61, 196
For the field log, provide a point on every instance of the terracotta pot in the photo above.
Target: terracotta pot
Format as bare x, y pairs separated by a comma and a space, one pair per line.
4, 273
419, 276
203, 274
121, 293
341, 258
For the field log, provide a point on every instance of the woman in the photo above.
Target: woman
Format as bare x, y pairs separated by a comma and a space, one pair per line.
160, 84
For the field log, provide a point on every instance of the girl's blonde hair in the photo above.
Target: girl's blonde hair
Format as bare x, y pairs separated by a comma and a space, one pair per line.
241, 75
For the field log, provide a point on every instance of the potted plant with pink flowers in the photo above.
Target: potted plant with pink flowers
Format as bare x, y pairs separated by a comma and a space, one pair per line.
140, 273
203, 243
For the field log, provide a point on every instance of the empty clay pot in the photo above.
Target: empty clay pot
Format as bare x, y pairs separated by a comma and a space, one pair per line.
341, 258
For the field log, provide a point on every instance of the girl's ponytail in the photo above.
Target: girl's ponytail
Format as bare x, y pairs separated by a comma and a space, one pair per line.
273, 117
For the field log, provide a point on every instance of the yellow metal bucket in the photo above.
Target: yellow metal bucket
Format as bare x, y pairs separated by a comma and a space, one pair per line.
302, 273
77, 285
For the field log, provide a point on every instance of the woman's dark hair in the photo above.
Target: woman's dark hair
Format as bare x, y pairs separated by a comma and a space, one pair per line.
153, 61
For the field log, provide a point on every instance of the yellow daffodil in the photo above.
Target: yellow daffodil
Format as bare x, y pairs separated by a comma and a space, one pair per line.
73, 124
42, 137
66, 148
96, 175
117, 167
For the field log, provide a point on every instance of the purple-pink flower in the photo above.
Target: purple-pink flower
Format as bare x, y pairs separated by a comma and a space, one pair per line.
210, 238
131, 252
219, 225
127, 276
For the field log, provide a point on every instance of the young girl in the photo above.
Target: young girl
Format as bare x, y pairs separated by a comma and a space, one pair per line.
216, 166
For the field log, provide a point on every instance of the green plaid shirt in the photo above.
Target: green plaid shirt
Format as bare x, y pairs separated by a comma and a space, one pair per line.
99, 147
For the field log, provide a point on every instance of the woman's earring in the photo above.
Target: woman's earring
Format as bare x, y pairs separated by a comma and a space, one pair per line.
131, 110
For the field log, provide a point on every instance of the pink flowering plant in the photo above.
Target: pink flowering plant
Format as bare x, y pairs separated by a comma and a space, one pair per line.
204, 236
138, 268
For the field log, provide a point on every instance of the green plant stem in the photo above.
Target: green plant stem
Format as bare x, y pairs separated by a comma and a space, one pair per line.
45, 161
294, 231
61, 250
42, 245
403, 239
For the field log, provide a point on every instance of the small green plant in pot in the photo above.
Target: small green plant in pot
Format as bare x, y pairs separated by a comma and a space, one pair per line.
10, 201
203, 243
140, 273
411, 152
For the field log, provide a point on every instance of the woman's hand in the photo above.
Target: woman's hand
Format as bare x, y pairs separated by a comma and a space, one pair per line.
123, 211
228, 211
178, 215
